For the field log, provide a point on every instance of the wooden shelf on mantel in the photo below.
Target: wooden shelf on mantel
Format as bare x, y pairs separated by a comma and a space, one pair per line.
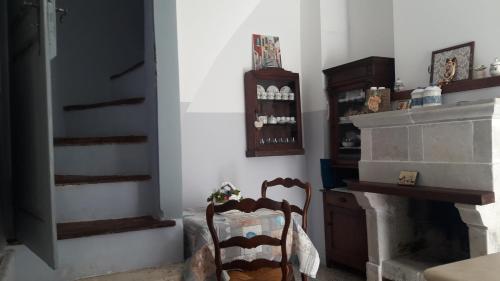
465, 196
456, 86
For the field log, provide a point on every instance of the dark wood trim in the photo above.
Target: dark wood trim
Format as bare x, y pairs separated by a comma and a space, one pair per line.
277, 152
99, 140
471, 65
72, 230
456, 86
128, 70
403, 95
62, 180
465, 196
130, 101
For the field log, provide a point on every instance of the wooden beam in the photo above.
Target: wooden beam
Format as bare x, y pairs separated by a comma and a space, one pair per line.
465, 196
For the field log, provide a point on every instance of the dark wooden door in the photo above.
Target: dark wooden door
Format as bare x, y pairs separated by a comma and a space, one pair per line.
32, 48
349, 237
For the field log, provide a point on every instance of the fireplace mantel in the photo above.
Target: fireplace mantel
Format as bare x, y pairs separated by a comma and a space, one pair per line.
465, 196
468, 110
456, 151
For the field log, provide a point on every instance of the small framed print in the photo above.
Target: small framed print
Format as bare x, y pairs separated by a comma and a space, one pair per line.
452, 64
408, 178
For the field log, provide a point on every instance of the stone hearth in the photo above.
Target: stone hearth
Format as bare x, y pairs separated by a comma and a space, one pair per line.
451, 146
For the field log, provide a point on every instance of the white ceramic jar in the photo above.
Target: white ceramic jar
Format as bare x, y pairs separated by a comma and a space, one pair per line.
417, 98
495, 68
432, 96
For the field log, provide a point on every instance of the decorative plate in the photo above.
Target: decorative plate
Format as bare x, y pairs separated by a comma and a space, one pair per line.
273, 89
260, 89
285, 89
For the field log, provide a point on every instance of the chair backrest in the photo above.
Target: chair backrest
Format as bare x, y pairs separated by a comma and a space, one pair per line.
288, 183
248, 206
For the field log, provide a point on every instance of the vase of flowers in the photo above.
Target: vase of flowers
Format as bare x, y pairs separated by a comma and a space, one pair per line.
226, 192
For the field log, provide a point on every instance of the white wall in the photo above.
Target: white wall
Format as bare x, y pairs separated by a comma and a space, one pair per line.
370, 28
421, 27
215, 50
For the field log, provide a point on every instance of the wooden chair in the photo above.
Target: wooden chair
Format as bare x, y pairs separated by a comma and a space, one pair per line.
259, 269
288, 183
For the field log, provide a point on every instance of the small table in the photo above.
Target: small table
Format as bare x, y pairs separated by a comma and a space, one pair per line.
485, 268
199, 246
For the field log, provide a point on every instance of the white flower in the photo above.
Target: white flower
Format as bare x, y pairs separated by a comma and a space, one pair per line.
235, 197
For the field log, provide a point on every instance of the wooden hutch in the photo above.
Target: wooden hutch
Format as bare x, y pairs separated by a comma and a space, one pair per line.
345, 220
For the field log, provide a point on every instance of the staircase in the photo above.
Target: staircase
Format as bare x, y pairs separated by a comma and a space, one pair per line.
104, 191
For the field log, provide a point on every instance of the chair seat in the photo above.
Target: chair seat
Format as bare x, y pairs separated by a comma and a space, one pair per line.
262, 274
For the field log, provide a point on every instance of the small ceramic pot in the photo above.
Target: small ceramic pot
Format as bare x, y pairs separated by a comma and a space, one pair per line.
480, 72
431, 96
495, 68
417, 97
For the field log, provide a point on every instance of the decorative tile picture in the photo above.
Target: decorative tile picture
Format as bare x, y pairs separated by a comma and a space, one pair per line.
453, 63
266, 51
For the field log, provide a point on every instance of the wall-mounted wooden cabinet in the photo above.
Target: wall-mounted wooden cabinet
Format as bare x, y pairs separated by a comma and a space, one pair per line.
272, 96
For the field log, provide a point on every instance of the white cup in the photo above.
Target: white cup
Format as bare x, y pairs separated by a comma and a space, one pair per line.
287, 119
292, 119
263, 119
284, 96
291, 96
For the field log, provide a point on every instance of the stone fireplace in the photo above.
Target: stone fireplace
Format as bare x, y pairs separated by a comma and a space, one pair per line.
455, 149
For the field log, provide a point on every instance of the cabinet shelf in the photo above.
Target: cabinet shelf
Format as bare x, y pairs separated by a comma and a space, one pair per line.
263, 107
284, 124
350, 148
277, 101
456, 86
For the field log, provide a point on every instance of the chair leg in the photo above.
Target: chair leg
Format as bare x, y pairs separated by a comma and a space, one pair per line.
303, 277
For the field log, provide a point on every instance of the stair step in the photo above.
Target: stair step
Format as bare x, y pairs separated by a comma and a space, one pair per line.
79, 179
99, 140
95, 201
72, 230
129, 101
109, 159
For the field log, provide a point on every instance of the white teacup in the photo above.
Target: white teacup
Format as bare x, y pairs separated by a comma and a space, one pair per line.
287, 119
270, 96
291, 96
284, 96
263, 119
263, 96
279, 119
277, 96
292, 119
271, 119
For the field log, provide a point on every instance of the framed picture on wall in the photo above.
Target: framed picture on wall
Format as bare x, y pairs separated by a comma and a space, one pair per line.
452, 64
266, 51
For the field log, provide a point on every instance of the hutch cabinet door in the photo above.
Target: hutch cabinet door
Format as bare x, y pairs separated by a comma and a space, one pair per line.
32, 50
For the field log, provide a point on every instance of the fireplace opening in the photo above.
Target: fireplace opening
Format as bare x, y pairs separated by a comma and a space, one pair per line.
435, 234
440, 233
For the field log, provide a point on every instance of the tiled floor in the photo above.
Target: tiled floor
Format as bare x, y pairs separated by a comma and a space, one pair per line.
174, 273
